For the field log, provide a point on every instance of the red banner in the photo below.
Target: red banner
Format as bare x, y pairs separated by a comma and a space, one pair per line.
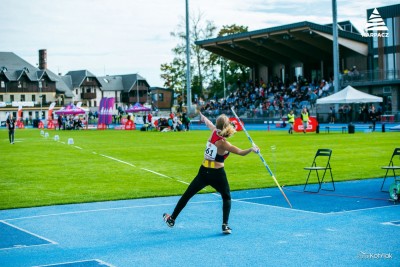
50, 124
311, 127
236, 123
129, 125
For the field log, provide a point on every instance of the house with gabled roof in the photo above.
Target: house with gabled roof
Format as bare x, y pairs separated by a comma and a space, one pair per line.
127, 89
35, 88
86, 87
22, 84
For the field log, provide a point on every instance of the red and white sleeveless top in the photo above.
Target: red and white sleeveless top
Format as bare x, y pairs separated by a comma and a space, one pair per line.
210, 153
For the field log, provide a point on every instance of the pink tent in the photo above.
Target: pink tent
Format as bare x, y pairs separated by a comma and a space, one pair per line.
137, 108
70, 110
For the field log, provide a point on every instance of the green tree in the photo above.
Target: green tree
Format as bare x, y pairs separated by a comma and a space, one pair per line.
233, 70
174, 73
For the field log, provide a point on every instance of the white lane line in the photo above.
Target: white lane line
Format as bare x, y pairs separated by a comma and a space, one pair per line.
101, 210
75, 263
250, 198
30, 233
139, 207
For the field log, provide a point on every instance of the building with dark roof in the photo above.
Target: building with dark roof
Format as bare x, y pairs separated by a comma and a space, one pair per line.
22, 84
127, 89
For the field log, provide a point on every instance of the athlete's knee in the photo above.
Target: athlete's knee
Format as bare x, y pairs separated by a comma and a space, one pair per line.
226, 197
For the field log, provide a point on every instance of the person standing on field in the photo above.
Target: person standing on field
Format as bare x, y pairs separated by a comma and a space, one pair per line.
11, 128
290, 118
305, 118
212, 170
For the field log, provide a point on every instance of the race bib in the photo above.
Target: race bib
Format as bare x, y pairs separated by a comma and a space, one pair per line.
210, 152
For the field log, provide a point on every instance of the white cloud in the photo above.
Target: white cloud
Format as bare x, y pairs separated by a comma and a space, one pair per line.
125, 36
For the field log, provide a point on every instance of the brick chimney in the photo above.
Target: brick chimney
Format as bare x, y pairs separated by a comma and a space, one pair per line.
43, 59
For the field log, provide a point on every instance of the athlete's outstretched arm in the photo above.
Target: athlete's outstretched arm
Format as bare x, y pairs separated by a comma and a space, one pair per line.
234, 149
208, 123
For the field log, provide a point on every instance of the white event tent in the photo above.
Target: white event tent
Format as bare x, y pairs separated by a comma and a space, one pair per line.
349, 95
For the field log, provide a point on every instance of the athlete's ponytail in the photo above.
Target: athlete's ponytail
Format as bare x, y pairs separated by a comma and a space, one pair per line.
224, 126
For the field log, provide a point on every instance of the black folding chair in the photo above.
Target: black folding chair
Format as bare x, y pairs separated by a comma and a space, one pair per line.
323, 156
392, 167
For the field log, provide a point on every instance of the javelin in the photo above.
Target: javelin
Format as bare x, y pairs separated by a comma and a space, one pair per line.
261, 157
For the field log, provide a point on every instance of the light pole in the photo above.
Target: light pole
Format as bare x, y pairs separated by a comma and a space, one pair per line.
137, 87
223, 76
188, 82
335, 36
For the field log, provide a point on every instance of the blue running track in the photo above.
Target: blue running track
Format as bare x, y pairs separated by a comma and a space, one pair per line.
356, 225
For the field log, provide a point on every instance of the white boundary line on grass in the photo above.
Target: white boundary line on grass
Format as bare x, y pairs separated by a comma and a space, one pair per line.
121, 161
132, 165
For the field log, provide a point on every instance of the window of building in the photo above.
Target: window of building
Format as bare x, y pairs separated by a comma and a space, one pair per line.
33, 98
376, 63
396, 30
1, 98
22, 97
160, 97
389, 59
375, 40
76, 91
11, 98
389, 38
3, 84
389, 66
95, 103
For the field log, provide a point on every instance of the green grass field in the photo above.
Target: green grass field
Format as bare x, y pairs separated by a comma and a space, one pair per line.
112, 165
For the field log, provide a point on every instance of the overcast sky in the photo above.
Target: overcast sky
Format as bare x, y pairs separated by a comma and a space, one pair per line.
133, 36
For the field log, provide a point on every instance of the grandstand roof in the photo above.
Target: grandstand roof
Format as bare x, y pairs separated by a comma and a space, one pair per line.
303, 41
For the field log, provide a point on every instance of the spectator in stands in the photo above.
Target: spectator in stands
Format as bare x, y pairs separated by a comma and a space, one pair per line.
312, 97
